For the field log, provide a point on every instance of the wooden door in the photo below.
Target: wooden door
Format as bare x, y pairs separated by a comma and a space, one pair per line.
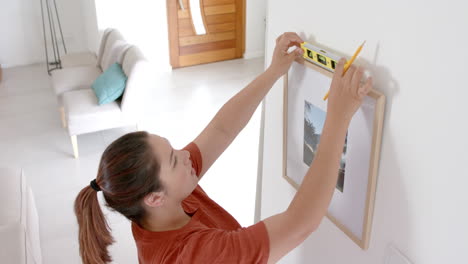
224, 23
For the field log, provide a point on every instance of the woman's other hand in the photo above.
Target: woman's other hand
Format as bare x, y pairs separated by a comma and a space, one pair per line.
282, 60
347, 92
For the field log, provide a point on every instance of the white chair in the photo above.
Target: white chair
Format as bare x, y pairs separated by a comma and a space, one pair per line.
77, 78
19, 222
84, 115
87, 58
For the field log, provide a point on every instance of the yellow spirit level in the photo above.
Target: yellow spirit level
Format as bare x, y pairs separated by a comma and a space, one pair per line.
320, 56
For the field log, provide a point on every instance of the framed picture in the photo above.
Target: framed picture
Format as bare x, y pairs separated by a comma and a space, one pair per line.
352, 205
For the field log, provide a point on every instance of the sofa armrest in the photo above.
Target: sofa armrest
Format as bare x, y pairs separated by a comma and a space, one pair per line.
33, 243
19, 225
141, 79
12, 244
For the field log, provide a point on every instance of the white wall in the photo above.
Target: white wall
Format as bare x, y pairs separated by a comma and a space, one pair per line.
255, 29
93, 36
22, 41
416, 52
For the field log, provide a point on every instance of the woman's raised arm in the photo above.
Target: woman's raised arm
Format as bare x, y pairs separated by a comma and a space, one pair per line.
288, 229
236, 113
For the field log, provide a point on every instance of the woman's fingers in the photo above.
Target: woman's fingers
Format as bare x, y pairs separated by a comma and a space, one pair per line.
365, 88
282, 59
339, 68
356, 82
349, 73
287, 40
348, 78
293, 37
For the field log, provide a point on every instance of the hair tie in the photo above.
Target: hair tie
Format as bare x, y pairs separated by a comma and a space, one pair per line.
94, 185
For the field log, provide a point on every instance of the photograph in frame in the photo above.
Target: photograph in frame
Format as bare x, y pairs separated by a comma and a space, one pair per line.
314, 119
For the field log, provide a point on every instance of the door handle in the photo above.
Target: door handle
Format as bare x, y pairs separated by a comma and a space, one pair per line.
181, 3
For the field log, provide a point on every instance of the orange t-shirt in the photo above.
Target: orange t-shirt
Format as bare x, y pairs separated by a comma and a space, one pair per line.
211, 236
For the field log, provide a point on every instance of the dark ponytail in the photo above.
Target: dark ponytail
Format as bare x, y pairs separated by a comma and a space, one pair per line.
128, 171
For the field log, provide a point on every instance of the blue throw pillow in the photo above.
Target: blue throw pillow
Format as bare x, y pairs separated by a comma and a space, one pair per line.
110, 85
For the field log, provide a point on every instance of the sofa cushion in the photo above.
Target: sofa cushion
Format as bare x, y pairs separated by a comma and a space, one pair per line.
114, 53
74, 78
110, 85
113, 37
84, 115
78, 59
102, 45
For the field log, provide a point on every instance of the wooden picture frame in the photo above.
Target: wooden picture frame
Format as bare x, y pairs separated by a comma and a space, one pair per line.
352, 205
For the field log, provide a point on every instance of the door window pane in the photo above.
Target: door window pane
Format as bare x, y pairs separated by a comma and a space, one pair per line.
197, 17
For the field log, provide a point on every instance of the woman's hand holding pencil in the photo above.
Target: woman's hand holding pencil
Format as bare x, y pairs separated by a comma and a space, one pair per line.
348, 64
347, 92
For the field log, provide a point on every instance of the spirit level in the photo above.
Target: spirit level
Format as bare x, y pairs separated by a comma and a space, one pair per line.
320, 56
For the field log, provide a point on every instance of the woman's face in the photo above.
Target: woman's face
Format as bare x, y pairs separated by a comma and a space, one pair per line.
176, 173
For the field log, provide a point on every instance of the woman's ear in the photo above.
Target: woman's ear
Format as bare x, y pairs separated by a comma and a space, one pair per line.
154, 199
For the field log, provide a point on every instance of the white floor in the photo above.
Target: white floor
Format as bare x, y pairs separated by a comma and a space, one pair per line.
185, 100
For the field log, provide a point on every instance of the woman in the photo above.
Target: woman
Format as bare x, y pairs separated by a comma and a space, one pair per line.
174, 221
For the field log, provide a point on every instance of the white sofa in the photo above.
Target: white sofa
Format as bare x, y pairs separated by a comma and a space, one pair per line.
78, 104
19, 222
82, 77
84, 115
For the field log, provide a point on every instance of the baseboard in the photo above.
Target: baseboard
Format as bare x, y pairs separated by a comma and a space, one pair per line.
13, 65
254, 54
6, 66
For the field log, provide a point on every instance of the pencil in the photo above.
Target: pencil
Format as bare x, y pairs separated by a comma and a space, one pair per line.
347, 65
